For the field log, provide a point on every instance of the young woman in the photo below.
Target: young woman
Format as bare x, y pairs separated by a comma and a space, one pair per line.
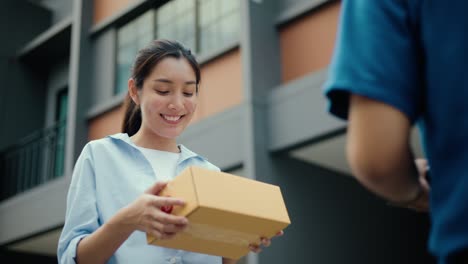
113, 197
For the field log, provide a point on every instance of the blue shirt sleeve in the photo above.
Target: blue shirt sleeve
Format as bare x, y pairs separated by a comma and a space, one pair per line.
81, 215
377, 55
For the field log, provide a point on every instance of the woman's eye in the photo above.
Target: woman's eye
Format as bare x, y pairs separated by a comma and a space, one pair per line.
162, 92
188, 94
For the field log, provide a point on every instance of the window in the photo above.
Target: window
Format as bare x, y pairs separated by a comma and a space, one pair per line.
61, 119
176, 20
218, 23
200, 25
130, 38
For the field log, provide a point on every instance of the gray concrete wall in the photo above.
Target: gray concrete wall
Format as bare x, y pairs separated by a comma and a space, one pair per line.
22, 92
79, 82
34, 211
334, 220
261, 71
297, 112
104, 67
60, 9
218, 138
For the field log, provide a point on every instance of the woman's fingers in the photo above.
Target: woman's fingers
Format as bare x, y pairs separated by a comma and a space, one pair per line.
154, 233
158, 223
160, 235
166, 231
168, 228
266, 242
255, 248
164, 204
165, 218
165, 226
160, 201
156, 188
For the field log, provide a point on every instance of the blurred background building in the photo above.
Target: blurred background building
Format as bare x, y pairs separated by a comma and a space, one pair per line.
64, 66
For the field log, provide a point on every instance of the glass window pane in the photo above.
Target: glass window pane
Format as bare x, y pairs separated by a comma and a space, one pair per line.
179, 27
229, 6
185, 26
145, 23
122, 78
141, 31
189, 42
165, 12
189, 23
143, 41
62, 106
229, 28
125, 34
60, 130
184, 5
207, 12
126, 54
162, 32
125, 59
219, 23
208, 38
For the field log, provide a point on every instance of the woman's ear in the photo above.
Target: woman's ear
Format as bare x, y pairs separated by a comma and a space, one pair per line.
133, 91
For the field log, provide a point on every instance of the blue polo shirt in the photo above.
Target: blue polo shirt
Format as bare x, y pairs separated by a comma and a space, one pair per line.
110, 174
413, 55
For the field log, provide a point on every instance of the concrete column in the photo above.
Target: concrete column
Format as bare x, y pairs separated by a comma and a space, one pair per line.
261, 72
79, 82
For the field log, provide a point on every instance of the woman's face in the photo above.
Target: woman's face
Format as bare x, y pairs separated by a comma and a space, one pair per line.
168, 98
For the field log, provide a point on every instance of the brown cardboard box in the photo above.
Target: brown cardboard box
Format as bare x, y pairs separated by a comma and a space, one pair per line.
226, 212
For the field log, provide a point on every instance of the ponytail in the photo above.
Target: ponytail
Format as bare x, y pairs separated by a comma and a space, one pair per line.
132, 119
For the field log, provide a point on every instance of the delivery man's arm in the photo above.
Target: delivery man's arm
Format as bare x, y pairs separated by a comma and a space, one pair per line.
379, 153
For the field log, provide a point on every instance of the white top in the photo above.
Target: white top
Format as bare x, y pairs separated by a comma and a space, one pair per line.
164, 163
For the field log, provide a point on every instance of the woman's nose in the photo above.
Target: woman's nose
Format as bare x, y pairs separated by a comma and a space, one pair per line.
176, 103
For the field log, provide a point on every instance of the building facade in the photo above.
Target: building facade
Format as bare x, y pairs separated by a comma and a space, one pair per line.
64, 66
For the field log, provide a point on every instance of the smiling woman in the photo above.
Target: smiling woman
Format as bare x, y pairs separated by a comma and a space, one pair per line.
113, 200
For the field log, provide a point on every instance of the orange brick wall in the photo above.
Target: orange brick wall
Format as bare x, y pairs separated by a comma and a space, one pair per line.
106, 8
106, 124
307, 44
221, 85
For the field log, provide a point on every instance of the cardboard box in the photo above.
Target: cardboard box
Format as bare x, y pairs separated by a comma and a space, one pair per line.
226, 212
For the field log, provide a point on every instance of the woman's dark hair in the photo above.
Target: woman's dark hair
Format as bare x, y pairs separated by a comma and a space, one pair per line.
146, 59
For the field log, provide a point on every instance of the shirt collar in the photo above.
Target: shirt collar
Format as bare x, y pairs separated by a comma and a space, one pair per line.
185, 153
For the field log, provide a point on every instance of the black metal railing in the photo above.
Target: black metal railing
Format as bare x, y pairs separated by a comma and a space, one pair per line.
33, 160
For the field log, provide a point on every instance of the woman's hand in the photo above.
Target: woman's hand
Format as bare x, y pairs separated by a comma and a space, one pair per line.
264, 242
150, 213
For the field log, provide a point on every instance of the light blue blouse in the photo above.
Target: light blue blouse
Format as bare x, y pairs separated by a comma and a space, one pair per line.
109, 174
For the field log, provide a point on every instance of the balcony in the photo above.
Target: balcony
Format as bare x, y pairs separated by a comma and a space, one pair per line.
33, 161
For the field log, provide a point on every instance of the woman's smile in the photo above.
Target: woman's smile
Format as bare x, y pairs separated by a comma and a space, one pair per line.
172, 119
